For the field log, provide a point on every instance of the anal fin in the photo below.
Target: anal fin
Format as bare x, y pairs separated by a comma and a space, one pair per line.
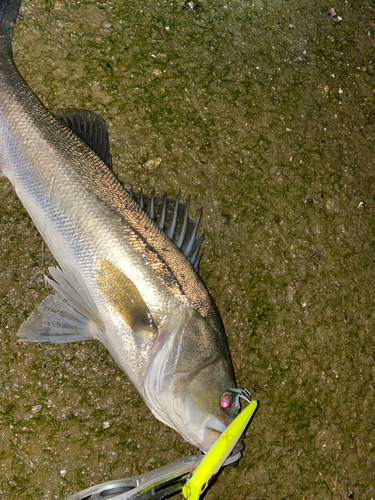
69, 316
56, 321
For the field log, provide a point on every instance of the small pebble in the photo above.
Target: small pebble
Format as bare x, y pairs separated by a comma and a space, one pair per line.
332, 15
190, 5
153, 162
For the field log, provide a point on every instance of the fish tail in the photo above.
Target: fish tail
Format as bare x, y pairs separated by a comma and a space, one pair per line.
8, 16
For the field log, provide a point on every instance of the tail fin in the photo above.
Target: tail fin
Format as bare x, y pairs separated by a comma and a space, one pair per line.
8, 17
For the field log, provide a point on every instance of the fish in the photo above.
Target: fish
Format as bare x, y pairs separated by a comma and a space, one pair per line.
128, 264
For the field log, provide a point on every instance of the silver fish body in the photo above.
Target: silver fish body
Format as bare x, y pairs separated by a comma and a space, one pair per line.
121, 280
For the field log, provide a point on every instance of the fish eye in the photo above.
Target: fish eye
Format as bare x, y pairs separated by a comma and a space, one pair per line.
226, 400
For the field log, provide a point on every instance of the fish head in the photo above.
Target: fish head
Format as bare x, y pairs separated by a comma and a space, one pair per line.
189, 382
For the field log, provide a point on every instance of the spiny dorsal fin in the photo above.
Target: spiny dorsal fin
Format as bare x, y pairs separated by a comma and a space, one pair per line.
124, 297
89, 127
173, 218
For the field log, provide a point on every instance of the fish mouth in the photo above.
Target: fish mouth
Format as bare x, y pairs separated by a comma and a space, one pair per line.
210, 436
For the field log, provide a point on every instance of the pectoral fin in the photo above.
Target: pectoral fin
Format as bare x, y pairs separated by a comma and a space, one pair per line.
123, 296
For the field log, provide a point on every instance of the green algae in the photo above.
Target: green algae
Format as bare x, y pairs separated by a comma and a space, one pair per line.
264, 113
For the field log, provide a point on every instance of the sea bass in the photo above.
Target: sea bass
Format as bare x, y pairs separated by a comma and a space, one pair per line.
127, 272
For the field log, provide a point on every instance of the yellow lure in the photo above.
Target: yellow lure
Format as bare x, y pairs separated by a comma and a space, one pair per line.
217, 455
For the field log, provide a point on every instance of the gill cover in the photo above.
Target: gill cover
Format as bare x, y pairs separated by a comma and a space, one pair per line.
188, 371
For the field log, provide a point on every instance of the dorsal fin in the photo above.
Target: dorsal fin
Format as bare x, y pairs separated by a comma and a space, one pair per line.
89, 127
173, 218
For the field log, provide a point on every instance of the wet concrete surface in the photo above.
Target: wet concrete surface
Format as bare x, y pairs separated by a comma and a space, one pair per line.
263, 112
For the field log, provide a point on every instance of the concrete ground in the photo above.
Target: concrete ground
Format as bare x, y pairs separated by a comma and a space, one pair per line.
264, 112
